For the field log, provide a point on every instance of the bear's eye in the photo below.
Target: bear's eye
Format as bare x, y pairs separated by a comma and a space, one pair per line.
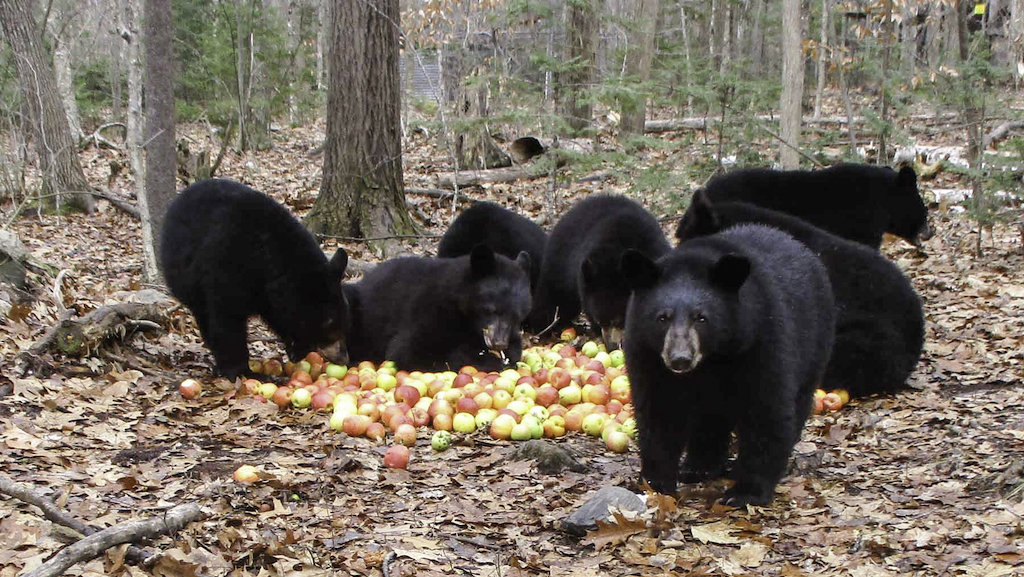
664, 316
700, 318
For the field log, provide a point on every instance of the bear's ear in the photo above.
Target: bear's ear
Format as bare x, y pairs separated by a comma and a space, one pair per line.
524, 261
482, 261
906, 180
338, 264
730, 272
638, 270
700, 219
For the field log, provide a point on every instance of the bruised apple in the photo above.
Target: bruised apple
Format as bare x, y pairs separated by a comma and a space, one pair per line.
190, 388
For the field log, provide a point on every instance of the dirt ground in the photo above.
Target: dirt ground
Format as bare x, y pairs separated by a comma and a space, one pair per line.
927, 482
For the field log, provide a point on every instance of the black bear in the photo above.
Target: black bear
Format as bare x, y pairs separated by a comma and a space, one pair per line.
229, 252
858, 202
726, 332
880, 321
503, 230
581, 264
442, 313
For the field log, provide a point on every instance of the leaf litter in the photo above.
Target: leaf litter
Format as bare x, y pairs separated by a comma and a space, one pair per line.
926, 482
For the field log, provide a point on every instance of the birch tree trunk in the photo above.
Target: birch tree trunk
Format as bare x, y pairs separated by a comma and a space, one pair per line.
822, 60
792, 85
131, 12
66, 86
581, 36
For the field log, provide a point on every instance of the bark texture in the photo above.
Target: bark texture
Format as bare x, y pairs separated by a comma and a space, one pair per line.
161, 159
361, 194
792, 85
64, 183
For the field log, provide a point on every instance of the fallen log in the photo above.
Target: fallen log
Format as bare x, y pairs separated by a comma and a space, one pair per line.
80, 336
706, 122
94, 545
491, 176
1000, 132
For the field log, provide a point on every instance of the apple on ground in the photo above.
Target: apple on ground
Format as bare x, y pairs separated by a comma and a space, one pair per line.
190, 388
397, 457
246, 474
441, 440
464, 423
502, 425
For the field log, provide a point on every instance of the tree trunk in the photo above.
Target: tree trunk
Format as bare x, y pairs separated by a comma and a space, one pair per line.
757, 39
1016, 28
909, 41
160, 156
323, 41
883, 136
474, 147
66, 86
822, 59
933, 31
64, 183
115, 70
792, 85
361, 194
633, 114
581, 37
131, 11
293, 23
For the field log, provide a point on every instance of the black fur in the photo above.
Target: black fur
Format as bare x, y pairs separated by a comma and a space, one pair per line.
503, 230
727, 332
229, 252
439, 313
880, 321
581, 264
859, 202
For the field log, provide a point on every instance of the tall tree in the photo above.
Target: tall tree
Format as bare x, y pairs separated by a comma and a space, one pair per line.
581, 32
361, 194
792, 85
64, 183
160, 156
638, 64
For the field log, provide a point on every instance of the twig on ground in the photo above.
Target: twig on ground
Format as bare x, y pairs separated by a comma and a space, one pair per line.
94, 545
52, 513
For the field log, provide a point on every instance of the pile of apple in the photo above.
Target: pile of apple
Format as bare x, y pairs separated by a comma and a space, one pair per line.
552, 391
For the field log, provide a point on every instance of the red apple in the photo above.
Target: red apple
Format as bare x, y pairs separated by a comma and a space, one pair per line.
273, 368
190, 388
405, 434
442, 422
418, 416
440, 406
375, 431
407, 394
547, 395
461, 380
397, 457
567, 351
466, 405
355, 425
282, 397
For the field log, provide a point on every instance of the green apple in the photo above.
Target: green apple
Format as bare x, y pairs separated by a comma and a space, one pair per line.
464, 423
618, 357
336, 371
441, 440
589, 349
386, 381
301, 398
522, 432
570, 395
593, 423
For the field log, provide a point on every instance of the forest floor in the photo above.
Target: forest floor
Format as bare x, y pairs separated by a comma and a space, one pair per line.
926, 482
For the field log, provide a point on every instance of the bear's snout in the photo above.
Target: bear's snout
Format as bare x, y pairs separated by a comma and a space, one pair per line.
336, 352
496, 336
682, 348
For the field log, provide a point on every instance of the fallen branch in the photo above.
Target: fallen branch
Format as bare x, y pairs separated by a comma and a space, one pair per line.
97, 137
79, 336
94, 545
52, 513
706, 122
478, 177
121, 204
438, 194
1000, 132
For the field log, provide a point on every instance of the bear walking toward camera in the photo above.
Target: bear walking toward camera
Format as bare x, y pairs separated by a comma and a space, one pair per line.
229, 252
435, 314
879, 322
727, 332
581, 264
506, 232
859, 202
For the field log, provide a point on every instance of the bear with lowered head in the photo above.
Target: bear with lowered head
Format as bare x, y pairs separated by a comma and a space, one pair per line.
229, 252
581, 264
437, 314
859, 202
727, 333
